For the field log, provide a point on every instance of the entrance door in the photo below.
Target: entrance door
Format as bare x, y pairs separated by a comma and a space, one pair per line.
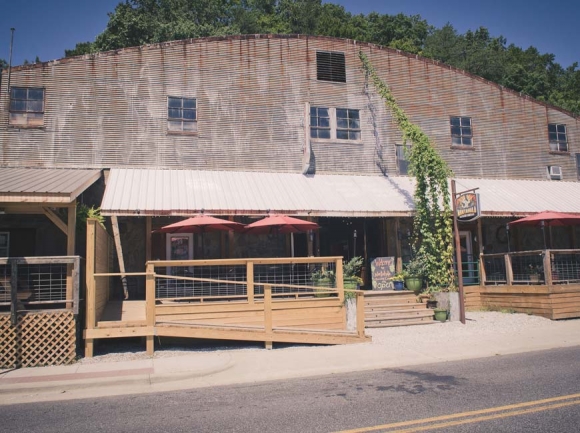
467, 261
179, 247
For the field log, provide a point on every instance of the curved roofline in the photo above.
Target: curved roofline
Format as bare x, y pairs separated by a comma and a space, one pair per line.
291, 36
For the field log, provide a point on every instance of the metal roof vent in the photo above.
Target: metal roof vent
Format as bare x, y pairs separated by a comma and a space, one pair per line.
330, 66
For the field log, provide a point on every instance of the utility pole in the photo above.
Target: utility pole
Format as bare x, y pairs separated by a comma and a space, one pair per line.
458, 256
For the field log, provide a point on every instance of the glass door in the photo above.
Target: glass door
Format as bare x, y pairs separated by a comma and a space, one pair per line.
179, 247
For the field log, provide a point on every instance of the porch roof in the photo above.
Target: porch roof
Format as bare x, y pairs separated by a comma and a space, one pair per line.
39, 185
187, 192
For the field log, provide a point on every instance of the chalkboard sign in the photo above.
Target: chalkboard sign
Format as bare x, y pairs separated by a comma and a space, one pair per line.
382, 271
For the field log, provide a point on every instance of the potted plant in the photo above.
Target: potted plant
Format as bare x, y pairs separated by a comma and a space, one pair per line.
351, 273
440, 314
399, 280
415, 271
323, 277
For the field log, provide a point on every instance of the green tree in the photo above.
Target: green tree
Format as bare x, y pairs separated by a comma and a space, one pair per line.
3, 64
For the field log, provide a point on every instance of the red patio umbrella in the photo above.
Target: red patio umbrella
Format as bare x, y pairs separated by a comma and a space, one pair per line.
548, 218
281, 224
200, 224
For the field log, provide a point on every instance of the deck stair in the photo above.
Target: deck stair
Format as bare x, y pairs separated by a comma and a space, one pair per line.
394, 308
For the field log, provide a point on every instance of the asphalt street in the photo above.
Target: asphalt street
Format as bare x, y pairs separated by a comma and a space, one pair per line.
537, 391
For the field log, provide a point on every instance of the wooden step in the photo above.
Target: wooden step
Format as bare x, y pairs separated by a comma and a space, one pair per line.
394, 302
390, 323
402, 314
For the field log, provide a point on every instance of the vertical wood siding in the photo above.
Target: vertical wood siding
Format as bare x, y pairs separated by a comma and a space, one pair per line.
110, 110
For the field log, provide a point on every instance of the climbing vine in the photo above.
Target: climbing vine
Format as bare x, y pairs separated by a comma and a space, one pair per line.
432, 225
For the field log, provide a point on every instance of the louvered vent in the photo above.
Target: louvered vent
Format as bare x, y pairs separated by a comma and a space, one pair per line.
330, 66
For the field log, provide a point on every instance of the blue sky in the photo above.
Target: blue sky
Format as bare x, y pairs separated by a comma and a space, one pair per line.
45, 28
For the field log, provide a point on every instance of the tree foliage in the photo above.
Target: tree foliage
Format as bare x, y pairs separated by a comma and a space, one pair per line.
138, 22
432, 230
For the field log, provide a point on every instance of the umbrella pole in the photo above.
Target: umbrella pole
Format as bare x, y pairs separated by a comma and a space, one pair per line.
542, 225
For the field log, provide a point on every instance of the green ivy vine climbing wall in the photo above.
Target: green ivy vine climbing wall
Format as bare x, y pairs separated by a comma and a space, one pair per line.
432, 225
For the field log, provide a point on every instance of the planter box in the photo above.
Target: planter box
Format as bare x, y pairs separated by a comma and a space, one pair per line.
448, 301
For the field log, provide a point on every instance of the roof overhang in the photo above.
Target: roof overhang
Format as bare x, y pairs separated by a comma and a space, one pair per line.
39, 186
145, 192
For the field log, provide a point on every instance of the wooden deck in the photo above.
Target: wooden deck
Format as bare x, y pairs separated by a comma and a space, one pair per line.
561, 301
252, 310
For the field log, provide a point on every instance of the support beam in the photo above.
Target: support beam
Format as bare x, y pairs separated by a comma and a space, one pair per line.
117, 236
147, 238
51, 215
70, 249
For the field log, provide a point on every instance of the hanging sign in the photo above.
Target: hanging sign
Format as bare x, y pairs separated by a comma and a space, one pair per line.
467, 206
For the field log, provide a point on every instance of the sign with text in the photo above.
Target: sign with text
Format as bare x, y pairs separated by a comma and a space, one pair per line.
467, 206
382, 271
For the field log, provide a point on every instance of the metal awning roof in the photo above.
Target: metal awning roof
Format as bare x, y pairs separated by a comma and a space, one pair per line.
38, 185
186, 192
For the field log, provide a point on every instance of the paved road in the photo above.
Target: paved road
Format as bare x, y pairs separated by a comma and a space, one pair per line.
537, 391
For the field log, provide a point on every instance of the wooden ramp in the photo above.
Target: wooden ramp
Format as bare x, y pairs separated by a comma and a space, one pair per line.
395, 308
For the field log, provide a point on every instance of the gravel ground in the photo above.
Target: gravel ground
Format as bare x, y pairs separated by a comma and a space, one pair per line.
477, 323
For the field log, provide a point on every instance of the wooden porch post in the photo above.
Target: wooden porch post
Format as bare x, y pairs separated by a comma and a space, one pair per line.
117, 236
147, 238
360, 313
250, 282
150, 305
268, 315
548, 267
70, 249
90, 271
339, 279
509, 272
481, 251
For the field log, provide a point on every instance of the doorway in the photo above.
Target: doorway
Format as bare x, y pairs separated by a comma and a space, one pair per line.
179, 247
467, 262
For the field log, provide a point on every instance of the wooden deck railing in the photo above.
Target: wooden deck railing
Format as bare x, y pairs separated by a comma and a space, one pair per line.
210, 288
538, 267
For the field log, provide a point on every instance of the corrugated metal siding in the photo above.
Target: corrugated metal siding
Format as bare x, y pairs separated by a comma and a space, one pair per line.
35, 185
185, 192
110, 110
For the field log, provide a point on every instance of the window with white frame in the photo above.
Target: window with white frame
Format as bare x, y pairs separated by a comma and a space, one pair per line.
347, 124
319, 122
181, 114
335, 123
26, 106
402, 161
557, 136
461, 133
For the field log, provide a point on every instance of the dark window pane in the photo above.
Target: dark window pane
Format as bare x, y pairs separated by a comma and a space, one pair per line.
466, 131
17, 105
313, 121
341, 123
456, 140
174, 113
34, 106
561, 128
553, 136
455, 131
341, 112
354, 135
189, 114
353, 114
37, 94
551, 128
455, 121
466, 141
354, 124
174, 102
314, 133
342, 135
324, 122
312, 111
466, 121
18, 93
561, 137
324, 133
189, 103
323, 112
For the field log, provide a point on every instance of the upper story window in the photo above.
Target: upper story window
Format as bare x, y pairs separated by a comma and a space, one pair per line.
347, 124
26, 106
181, 114
335, 123
461, 133
330, 66
578, 165
319, 122
558, 140
402, 161
4, 244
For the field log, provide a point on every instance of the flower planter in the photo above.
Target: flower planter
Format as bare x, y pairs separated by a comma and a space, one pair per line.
350, 283
415, 284
324, 284
440, 314
399, 285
